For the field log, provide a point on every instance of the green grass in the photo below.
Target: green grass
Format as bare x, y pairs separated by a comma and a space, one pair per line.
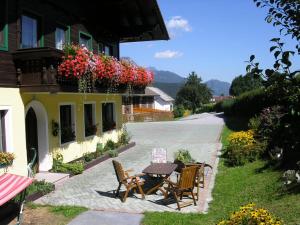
236, 186
68, 211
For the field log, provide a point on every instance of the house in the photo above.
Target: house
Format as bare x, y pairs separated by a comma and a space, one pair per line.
39, 108
162, 101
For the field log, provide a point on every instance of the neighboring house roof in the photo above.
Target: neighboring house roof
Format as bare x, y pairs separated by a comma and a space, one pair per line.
157, 91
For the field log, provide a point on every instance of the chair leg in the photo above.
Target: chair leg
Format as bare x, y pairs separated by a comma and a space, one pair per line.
141, 191
176, 198
118, 190
193, 197
126, 194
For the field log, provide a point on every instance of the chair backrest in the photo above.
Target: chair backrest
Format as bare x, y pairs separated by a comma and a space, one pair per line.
119, 171
180, 165
159, 155
187, 177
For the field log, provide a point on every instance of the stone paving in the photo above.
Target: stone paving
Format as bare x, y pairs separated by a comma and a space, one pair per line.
94, 188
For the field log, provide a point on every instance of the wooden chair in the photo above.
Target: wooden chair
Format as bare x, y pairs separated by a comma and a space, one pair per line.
184, 185
130, 182
200, 176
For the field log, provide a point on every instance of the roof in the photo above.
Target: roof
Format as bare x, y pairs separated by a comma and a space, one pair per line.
121, 20
157, 91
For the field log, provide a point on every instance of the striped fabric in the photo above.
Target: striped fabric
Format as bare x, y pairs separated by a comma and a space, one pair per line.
11, 185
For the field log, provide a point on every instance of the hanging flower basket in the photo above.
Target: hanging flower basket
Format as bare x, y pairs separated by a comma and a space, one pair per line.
6, 159
100, 72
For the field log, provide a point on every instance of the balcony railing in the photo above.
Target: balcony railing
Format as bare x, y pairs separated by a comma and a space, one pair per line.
37, 72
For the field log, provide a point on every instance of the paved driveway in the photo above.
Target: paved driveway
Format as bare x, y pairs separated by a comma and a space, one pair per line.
93, 189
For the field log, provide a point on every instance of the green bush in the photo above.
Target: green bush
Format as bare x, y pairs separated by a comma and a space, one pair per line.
87, 157
70, 168
184, 156
178, 111
210, 107
110, 145
124, 137
247, 105
242, 148
40, 186
99, 150
113, 153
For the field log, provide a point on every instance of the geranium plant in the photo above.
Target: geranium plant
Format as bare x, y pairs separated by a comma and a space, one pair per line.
6, 158
82, 64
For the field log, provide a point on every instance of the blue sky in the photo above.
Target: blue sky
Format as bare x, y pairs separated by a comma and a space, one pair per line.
212, 38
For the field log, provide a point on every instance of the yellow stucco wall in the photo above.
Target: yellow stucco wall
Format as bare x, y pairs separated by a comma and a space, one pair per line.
76, 149
10, 99
17, 105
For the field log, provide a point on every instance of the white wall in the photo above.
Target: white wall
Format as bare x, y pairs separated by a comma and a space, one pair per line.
160, 104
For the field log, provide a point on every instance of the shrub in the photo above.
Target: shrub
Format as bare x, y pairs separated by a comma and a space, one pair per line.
40, 186
99, 150
110, 145
113, 153
87, 157
184, 156
71, 168
178, 111
249, 214
124, 137
210, 107
242, 148
247, 105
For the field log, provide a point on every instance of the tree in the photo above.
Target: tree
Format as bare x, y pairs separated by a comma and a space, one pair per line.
194, 93
242, 84
283, 13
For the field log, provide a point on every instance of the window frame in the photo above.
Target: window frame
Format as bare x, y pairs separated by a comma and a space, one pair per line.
87, 35
67, 30
8, 129
40, 28
73, 121
93, 118
4, 46
114, 115
111, 49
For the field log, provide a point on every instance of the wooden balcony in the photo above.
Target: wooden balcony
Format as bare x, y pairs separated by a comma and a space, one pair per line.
37, 68
37, 72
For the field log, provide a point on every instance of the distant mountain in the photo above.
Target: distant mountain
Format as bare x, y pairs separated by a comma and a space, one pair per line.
163, 76
218, 87
169, 88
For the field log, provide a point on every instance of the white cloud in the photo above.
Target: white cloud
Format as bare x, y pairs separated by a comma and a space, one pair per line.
168, 54
178, 23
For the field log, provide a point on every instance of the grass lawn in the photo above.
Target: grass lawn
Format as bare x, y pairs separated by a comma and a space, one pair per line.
46, 214
236, 186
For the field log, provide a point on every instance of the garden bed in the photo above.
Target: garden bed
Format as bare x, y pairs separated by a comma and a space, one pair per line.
106, 156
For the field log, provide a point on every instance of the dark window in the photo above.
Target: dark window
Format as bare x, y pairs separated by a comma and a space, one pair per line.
3, 26
67, 123
89, 121
100, 48
29, 34
60, 37
108, 50
85, 40
108, 116
2, 131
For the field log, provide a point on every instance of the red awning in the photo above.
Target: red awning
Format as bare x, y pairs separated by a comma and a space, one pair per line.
11, 185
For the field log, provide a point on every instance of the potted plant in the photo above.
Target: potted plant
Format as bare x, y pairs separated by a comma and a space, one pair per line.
6, 159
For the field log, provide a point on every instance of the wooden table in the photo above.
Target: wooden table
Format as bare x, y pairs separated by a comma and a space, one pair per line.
161, 170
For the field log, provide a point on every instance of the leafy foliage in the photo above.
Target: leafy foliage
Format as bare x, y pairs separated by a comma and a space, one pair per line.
40, 186
249, 214
285, 14
71, 168
193, 94
242, 84
184, 156
178, 111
